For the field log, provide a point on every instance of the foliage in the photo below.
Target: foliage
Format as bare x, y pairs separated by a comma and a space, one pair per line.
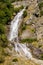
2, 28
2, 59
40, 5
21, 7
41, 56
41, 8
15, 0
41, 12
30, 40
1, 55
15, 60
17, 9
23, 27
6, 12
5, 41
24, 13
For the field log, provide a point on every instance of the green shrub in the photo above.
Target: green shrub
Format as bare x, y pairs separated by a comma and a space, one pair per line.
41, 8
23, 27
21, 7
24, 13
40, 5
30, 40
16, 9
2, 29
4, 40
15, 60
1, 55
41, 12
6, 11
2, 59
41, 56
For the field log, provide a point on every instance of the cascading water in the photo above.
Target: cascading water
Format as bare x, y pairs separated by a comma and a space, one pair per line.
20, 48
15, 25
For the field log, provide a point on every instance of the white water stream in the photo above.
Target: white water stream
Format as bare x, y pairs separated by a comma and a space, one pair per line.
19, 48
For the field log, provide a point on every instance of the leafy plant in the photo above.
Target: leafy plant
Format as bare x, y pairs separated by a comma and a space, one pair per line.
24, 13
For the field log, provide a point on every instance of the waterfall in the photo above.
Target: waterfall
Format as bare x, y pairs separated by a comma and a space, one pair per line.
19, 47
15, 25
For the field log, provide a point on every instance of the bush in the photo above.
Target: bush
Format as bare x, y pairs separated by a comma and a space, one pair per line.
23, 27
15, 60
2, 29
30, 40
6, 11
41, 12
21, 7
1, 55
41, 8
41, 56
2, 59
4, 40
16, 9
40, 5
24, 13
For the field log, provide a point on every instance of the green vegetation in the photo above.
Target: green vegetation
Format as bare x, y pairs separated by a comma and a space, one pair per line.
33, 30
6, 12
2, 59
40, 5
24, 13
15, 60
15, 0
23, 26
41, 56
41, 8
30, 40
41, 12
2, 28
17, 9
